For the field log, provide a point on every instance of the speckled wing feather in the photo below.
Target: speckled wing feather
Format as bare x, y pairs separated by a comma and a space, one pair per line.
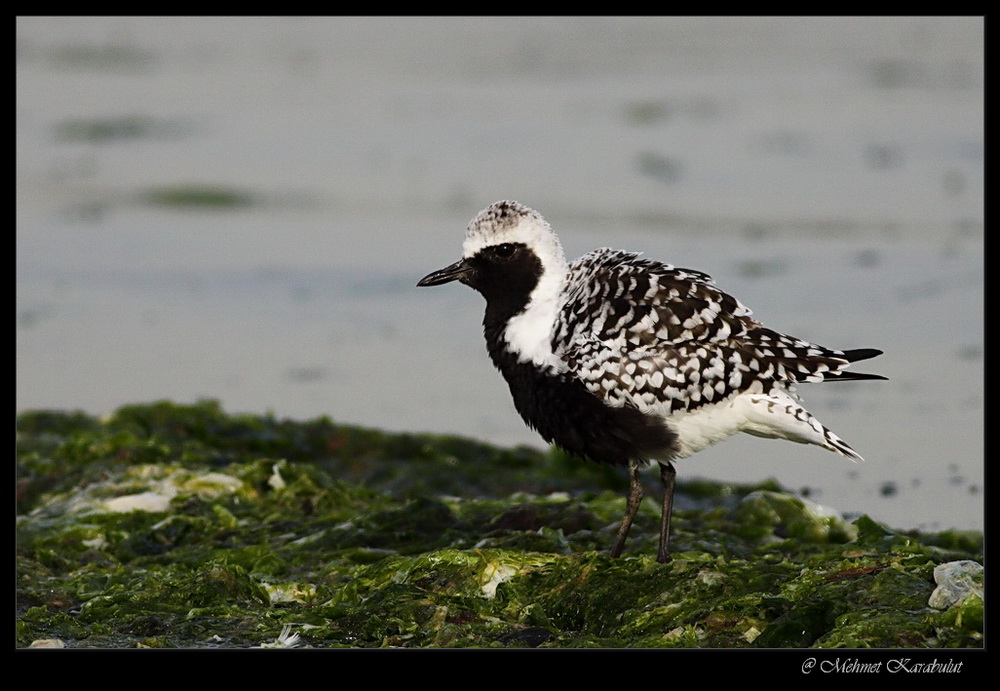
644, 333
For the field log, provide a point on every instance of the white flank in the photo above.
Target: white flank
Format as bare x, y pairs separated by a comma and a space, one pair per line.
773, 416
704, 426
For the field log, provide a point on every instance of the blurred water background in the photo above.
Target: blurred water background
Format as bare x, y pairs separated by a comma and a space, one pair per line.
239, 208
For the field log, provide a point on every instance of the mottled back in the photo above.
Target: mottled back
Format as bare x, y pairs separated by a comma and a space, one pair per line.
657, 337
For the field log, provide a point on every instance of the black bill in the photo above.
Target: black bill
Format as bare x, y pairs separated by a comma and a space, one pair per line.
445, 275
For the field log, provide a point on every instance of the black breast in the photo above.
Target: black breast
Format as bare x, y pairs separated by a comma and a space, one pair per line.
565, 413
559, 407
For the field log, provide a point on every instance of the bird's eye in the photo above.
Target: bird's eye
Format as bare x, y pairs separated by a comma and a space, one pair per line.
504, 250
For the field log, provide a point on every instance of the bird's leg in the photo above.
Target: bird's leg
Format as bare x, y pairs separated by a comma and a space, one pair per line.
631, 506
667, 475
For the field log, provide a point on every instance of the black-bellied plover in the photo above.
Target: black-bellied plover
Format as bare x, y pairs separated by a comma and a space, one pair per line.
625, 360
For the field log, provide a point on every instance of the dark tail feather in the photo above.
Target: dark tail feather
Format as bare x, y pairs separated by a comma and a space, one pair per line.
850, 376
854, 356
861, 354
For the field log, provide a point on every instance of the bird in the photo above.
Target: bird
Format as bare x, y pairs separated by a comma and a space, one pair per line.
625, 360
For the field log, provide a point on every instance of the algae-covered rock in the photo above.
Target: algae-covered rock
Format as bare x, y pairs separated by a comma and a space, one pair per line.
782, 514
956, 581
180, 526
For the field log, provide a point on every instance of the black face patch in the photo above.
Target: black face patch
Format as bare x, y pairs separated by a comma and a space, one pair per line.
505, 274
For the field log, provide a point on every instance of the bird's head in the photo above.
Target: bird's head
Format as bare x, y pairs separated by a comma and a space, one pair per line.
508, 249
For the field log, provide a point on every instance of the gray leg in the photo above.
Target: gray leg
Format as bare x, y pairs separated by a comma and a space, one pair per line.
631, 506
667, 475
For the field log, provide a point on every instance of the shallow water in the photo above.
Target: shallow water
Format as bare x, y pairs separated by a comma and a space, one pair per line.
240, 208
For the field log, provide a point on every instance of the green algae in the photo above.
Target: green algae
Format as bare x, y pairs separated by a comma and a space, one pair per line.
198, 196
182, 526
